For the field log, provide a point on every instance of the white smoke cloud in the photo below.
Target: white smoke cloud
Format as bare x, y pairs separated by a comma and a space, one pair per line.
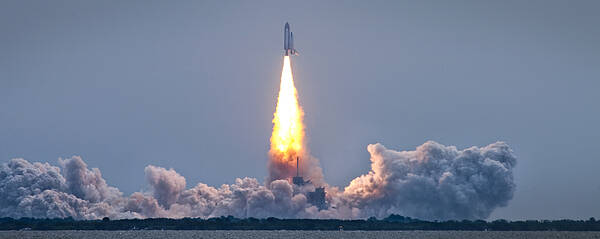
40, 190
166, 184
435, 182
245, 198
86, 184
432, 182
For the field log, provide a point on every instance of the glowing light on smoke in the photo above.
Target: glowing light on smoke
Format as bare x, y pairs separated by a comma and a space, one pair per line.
287, 139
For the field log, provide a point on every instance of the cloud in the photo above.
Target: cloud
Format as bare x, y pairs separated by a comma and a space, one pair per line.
166, 184
432, 182
86, 184
435, 182
40, 190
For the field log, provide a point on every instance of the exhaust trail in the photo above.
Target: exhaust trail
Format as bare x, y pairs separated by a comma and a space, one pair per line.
288, 137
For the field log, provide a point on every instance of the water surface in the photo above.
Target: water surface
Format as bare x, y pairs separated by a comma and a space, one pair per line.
294, 234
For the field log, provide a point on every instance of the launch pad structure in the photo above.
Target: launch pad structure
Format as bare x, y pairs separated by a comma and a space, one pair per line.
299, 180
317, 197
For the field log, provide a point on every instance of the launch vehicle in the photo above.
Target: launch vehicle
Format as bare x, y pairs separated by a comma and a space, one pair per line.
288, 41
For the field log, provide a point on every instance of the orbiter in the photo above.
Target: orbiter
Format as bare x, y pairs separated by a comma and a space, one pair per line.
288, 41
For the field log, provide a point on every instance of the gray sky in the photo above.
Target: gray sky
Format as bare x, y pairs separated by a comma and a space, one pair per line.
192, 85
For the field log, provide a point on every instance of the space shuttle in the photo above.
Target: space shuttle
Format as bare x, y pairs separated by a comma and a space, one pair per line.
288, 41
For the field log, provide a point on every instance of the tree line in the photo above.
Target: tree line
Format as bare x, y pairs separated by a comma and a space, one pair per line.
393, 222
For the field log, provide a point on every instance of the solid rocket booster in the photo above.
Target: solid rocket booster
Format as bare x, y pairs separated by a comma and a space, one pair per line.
288, 41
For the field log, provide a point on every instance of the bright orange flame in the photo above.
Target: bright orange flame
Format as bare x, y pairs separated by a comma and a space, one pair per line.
287, 139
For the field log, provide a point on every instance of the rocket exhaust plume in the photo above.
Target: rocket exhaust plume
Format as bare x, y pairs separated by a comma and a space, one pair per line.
287, 139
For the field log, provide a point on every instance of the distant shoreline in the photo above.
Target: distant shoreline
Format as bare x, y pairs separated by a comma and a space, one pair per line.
391, 223
170, 234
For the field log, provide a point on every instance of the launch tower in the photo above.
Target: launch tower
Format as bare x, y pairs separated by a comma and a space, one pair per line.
299, 180
316, 197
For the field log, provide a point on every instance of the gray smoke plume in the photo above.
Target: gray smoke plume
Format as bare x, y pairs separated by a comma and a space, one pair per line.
435, 182
166, 184
86, 184
40, 190
245, 198
432, 182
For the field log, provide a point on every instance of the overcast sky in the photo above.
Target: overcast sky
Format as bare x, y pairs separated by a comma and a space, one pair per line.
192, 85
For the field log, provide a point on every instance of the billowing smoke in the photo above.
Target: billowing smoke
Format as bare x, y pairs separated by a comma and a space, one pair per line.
41, 190
86, 184
166, 184
432, 182
245, 198
435, 182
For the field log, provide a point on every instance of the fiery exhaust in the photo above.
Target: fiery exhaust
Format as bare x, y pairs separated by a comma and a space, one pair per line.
287, 139
288, 130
